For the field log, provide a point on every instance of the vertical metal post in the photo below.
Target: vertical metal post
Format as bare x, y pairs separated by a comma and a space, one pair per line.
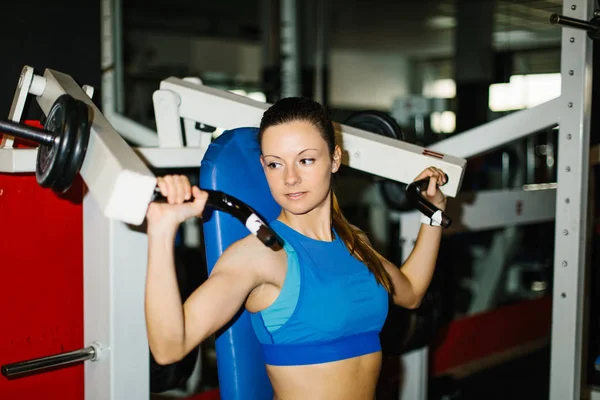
322, 51
107, 57
270, 17
112, 58
113, 92
571, 206
117, 39
290, 49
414, 364
115, 258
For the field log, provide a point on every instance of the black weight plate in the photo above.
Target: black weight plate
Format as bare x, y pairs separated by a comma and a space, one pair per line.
376, 122
393, 193
78, 150
51, 159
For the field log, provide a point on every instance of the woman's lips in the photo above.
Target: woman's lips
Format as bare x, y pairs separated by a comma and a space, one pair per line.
295, 196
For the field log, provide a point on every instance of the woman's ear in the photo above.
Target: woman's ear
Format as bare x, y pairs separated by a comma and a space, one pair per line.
337, 159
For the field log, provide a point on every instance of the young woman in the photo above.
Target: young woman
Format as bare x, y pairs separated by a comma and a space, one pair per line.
317, 306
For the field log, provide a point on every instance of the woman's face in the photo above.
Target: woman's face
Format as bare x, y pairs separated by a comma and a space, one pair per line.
297, 164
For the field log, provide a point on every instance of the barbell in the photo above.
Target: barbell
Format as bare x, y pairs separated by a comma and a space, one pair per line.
62, 142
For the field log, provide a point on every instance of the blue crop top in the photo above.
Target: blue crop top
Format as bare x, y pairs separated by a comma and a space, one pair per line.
329, 308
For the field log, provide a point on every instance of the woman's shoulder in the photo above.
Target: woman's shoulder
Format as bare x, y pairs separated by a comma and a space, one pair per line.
250, 253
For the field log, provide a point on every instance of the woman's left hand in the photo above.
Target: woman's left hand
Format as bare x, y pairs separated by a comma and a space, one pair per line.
437, 178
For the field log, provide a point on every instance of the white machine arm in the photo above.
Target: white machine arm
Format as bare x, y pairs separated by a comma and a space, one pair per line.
116, 177
363, 150
497, 133
119, 178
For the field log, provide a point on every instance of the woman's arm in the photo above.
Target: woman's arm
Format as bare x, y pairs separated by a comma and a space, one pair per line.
412, 279
174, 330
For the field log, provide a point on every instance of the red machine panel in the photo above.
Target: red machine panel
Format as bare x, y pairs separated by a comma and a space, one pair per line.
41, 285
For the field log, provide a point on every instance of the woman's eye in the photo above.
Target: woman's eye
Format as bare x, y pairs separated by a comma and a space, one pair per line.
307, 161
272, 165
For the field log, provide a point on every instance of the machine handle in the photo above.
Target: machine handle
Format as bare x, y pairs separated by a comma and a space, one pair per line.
238, 209
50, 362
413, 193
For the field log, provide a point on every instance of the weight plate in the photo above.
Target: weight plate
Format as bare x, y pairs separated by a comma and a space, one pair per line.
77, 151
376, 122
393, 193
51, 159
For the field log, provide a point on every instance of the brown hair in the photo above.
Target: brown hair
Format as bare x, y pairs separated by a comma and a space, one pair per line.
301, 109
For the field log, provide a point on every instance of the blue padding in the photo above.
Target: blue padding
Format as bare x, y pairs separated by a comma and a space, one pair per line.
232, 165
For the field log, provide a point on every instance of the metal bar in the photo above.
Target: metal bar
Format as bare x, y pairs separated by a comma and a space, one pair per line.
493, 209
131, 130
572, 23
117, 40
571, 206
290, 49
49, 362
414, 364
112, 79
26, 132
501, 131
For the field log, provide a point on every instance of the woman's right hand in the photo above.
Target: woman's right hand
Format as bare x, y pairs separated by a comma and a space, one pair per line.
176, 189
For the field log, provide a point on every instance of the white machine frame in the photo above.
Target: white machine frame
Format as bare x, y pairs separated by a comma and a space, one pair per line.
571, 111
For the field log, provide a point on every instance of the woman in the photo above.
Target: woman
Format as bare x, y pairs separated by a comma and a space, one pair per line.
317, 306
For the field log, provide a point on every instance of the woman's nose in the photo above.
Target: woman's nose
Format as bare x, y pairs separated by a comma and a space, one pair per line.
291, 177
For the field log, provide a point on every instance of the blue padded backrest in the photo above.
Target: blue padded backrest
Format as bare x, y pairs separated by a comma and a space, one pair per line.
231, 164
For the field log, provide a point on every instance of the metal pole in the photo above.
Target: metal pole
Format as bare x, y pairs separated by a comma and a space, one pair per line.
571, 206
573, 23
49, 362
321, 52
118, 57
290, 49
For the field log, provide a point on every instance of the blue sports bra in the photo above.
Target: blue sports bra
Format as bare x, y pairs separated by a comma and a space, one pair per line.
330, 306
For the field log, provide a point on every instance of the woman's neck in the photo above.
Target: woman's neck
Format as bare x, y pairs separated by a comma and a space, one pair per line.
315, 224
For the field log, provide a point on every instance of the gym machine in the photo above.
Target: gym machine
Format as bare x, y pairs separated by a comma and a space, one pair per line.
121, 185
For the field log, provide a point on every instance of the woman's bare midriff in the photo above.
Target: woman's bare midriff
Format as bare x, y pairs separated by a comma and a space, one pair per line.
350, 379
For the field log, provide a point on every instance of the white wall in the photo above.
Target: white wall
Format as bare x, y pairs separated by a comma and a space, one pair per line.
165, 50
358, 79
237, 59
367, 80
